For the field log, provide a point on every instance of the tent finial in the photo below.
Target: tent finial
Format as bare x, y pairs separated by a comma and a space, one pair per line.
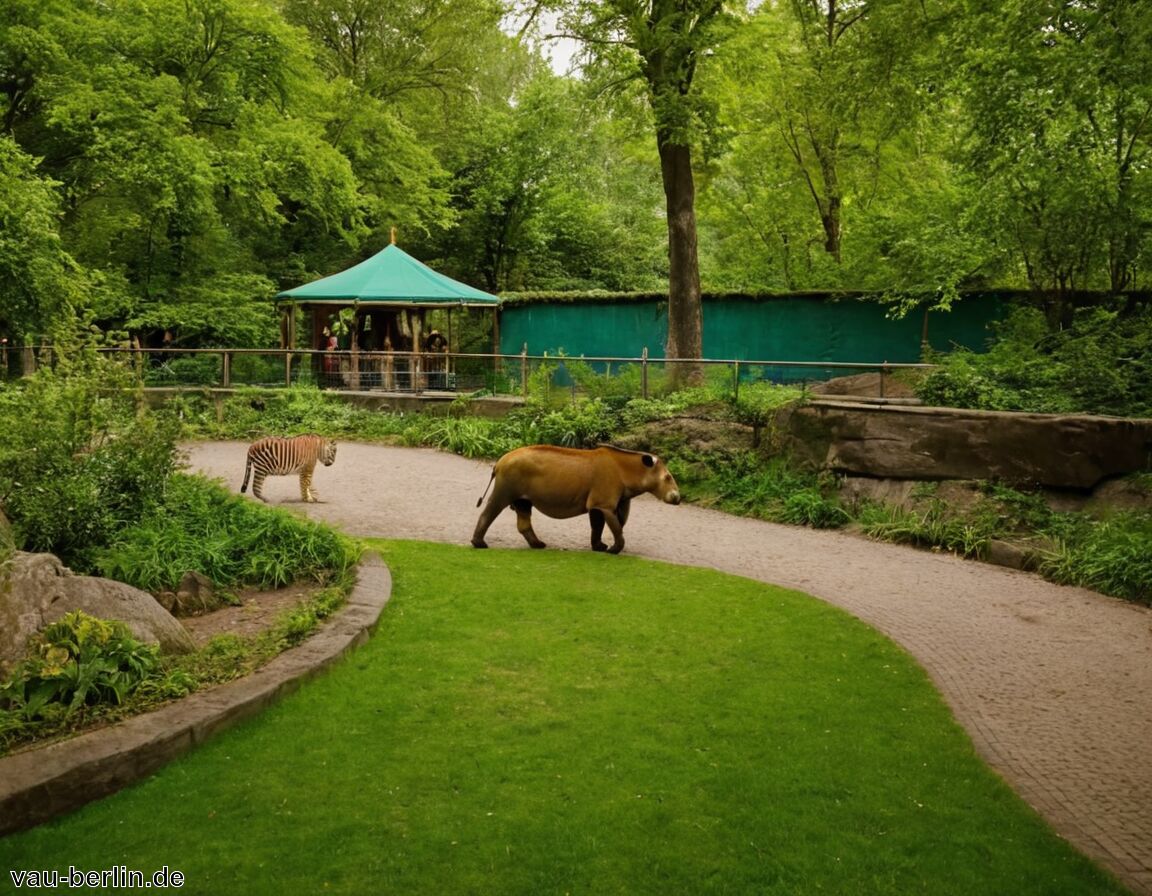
393, 236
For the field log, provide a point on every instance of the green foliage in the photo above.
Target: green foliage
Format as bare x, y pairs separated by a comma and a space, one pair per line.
119, 677
773, 490
466, 436
169, 165
79, 462
1098, 365
233, 541
1111, 556
757, 405
253, 412
540, 209
934, 527
579, 424
77, 662
1059, 142
35, 270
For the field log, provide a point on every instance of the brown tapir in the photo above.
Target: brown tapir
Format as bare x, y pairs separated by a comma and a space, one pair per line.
566, 482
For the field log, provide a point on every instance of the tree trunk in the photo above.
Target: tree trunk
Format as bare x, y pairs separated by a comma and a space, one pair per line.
685, 317
830, 205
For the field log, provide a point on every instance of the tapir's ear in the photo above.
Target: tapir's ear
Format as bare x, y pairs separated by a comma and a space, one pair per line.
649, 460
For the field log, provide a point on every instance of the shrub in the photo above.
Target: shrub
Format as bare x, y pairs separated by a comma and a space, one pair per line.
1110, 556
933, 527
466, 436
76, 662
1098, 365
773, 490
79, 461
200, 525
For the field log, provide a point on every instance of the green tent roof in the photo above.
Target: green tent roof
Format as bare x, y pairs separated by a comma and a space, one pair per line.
391, 276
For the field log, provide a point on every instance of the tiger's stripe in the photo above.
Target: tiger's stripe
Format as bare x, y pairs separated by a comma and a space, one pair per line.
276, 456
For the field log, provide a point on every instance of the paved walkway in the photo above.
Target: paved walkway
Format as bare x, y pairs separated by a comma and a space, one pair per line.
1053, 684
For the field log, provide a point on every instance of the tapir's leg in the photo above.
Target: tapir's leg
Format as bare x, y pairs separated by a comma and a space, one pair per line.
523, 510
491, 510
617, 533
596, 518
622, 510
614, 525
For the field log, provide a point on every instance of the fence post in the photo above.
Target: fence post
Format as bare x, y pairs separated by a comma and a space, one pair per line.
736, 380
883, 370
644, 372
227, 370
288, 369
524, 370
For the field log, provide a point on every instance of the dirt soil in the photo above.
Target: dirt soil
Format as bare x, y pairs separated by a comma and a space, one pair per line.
254, 612
1053, 684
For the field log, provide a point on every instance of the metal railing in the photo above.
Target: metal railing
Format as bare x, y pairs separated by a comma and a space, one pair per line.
463, 373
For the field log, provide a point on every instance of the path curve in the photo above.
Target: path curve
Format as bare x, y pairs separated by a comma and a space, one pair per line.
1052, 683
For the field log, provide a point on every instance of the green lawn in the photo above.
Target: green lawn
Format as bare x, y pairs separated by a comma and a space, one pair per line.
539, 722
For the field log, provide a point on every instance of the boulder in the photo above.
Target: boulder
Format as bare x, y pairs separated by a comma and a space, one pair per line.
196, 594
867, 385
1121, 494
896, 442
37, 590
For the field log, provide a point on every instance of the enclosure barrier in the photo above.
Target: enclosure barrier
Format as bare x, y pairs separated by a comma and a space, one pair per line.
464, 372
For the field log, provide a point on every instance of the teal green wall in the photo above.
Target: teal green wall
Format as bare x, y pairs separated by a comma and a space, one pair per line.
778, 329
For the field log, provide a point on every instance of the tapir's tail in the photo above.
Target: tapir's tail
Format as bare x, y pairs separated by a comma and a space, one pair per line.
483, 496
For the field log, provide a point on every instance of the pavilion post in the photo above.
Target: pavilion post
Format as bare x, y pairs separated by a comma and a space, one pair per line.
417, 350
354, 345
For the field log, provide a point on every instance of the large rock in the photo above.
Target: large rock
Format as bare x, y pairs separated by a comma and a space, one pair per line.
1055, 451
37, 590
867, 385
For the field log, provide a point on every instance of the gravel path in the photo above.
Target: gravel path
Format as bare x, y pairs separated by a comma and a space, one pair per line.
1053, 684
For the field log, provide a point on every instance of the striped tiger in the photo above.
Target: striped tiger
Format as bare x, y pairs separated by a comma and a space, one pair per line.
275, 456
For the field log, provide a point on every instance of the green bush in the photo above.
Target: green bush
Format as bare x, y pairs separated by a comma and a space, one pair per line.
1111, 556
202, 370
1102, 364
933, 527
76, 662
79, 461
201, 526
772, 489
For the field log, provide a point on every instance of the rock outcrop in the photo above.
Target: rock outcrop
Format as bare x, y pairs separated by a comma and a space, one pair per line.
37, 589
895, 442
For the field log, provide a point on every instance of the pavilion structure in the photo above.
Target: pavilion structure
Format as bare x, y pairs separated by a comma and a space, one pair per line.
369, 322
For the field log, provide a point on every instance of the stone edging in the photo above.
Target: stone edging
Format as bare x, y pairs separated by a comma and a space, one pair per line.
39, 784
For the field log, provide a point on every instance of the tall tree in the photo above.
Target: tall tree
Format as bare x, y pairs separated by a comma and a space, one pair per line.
411, 78
661, 44
833, 82
554, 197
1059, 94
37, 277
187, 142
